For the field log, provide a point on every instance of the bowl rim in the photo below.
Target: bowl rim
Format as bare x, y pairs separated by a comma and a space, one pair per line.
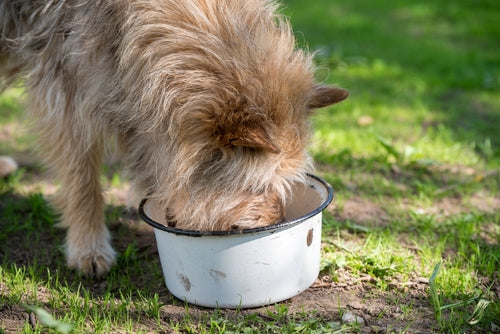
269, 228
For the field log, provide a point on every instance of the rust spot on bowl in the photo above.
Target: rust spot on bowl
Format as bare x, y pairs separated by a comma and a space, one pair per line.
309, 239
185, 281
217, 275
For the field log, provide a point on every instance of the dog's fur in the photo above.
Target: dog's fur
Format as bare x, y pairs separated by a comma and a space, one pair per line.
208, 101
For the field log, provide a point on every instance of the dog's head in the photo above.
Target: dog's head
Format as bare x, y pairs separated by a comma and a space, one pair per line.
277, 140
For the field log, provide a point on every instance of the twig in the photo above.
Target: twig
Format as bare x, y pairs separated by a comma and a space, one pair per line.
32, 320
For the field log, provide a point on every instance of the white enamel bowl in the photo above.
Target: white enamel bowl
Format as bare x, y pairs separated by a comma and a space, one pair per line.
248, 268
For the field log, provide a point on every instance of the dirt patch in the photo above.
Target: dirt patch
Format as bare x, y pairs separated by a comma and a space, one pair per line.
483, 202
380, 313
360, 210
13, 318
449, 206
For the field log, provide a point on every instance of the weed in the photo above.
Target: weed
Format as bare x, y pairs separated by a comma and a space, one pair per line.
451, 323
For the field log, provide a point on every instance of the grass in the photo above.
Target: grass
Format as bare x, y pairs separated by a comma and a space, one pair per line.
413, 156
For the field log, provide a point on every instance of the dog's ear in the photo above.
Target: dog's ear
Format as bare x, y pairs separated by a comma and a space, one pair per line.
253, 136
326, 95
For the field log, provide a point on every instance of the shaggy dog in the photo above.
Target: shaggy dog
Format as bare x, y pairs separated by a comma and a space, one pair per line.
207, 99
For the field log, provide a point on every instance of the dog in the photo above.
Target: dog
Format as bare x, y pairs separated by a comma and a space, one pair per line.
208, 101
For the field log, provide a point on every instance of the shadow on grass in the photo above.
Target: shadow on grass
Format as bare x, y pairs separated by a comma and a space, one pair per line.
30, 239
380, 175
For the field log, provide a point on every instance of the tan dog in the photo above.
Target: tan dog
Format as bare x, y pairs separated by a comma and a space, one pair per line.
208, 100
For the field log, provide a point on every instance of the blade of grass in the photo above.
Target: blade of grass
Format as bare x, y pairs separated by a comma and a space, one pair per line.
436, 303
479, 311
459, 304
391, 149
47, 320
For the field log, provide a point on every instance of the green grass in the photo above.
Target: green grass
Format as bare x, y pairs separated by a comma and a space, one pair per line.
413, 156
427, 76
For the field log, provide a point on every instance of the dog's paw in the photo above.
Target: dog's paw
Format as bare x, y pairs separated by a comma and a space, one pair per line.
7, 166
91, 262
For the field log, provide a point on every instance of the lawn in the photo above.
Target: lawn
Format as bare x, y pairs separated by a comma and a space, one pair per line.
412, 241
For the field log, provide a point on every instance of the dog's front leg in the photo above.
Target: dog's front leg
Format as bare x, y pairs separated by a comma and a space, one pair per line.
81, 201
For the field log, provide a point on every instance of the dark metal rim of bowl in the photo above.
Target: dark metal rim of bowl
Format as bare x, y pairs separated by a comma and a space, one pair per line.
195, 233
